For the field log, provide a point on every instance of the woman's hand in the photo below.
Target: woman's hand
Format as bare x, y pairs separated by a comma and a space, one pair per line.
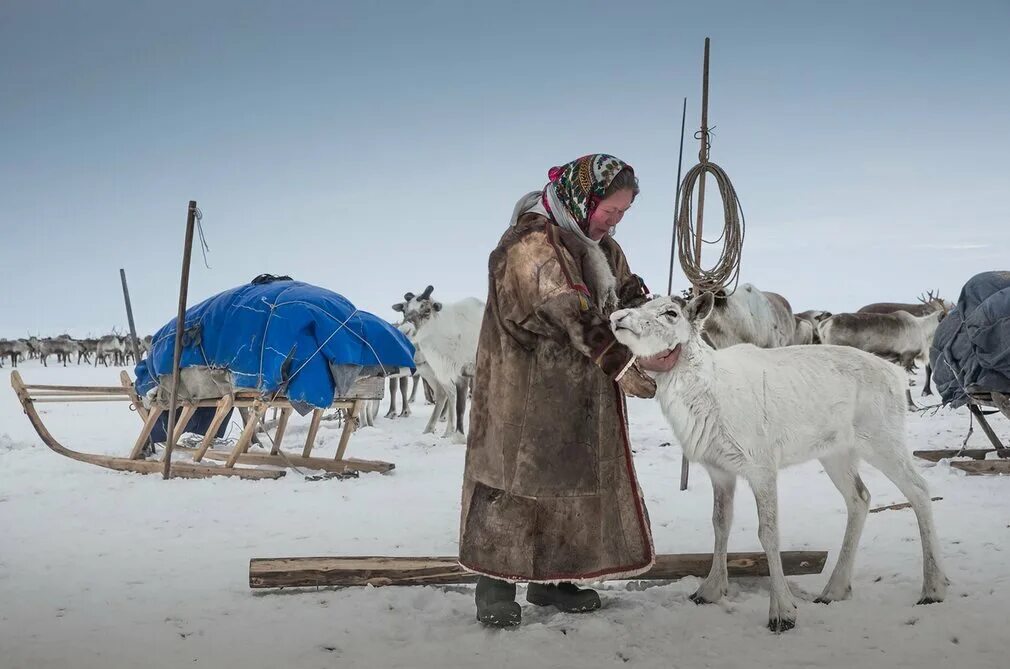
661, 362
637, 383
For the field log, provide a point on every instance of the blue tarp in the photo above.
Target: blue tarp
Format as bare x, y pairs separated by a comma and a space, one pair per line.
971, 347
280, 333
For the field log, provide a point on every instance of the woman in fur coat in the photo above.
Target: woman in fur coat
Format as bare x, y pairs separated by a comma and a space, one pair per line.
550, 495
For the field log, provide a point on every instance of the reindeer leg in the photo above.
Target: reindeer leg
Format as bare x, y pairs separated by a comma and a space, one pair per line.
458, 435
404, 382
392, 399
436, 412
413, 389
929, 377
450, 411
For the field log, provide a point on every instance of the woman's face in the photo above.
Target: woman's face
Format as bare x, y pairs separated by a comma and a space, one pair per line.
609, 213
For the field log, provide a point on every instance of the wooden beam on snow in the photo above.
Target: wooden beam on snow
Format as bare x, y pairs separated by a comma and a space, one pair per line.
358, 571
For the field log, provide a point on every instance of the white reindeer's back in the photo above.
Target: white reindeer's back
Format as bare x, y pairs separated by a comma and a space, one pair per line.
449, 339
797, 403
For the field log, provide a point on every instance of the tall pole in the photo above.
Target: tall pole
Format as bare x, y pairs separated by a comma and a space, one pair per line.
676, 200
685, 468
180, 324
702, 156
129, 317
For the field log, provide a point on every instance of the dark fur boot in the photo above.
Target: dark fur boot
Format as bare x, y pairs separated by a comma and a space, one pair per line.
565, 596
496, 603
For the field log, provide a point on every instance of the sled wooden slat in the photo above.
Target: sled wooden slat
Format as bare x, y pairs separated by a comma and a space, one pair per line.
359, 571
350, 425
145, 434
288, 459
138, 404
245, 439
282, 425
310, 439
978, 468
224, 406
66, 399
87, 390
973, 453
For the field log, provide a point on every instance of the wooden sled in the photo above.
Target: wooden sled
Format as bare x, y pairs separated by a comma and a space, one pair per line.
977, 463
252, 405
376, 571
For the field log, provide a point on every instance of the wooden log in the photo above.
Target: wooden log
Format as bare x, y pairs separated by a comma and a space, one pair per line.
903, 505
979, 468
357, 571
973, 453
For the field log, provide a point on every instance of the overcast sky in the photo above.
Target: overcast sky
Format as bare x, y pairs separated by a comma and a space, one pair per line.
375, 147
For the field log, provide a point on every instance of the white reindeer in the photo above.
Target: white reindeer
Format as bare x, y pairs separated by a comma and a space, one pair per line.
748, 412
446, 335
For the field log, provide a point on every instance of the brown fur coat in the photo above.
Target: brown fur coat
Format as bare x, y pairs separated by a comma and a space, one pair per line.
549, 490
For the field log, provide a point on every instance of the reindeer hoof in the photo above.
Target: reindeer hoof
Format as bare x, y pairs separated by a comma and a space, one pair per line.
927, 600
699, 600
780, 625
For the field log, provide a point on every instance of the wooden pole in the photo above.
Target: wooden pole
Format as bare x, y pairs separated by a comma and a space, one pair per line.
676, 200
180, 324
702, 155
376, 571
129, 317
685, 467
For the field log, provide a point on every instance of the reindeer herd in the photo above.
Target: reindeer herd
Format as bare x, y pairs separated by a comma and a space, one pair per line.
114, 349
445, 338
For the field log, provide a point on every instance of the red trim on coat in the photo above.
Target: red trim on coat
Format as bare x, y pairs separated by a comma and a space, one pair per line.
643, 526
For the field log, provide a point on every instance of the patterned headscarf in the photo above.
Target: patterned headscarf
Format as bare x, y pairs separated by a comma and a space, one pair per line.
573, 193
581, 184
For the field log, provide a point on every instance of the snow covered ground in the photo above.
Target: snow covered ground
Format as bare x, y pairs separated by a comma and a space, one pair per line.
104, 569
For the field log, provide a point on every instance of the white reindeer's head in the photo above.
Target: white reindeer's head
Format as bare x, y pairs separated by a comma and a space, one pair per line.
661, 324
417, 309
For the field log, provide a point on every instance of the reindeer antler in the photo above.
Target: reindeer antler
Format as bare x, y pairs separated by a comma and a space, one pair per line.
427, 293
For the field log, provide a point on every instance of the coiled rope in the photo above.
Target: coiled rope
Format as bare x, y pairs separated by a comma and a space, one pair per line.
726, 271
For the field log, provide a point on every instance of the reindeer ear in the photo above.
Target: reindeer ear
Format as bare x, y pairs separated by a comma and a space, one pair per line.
698, 309
437, 306
398, 306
